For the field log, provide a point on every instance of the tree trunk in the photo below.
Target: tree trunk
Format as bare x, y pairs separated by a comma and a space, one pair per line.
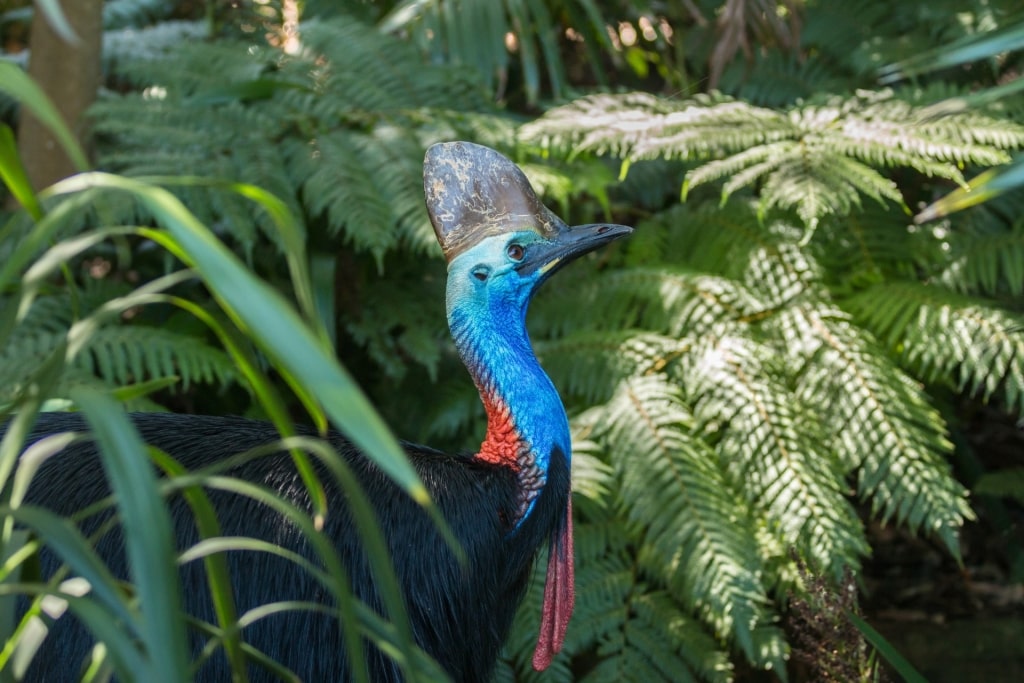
69, 73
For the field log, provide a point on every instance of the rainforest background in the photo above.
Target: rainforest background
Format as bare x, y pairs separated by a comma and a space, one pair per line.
796, 392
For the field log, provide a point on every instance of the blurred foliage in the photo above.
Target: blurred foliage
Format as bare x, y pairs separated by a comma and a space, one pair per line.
762, 370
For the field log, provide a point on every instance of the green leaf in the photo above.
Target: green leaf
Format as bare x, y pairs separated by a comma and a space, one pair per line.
64, 539
12, 172
885, 648
58, 22
982, 188
17, 84
274, 324
971, 48
149, 537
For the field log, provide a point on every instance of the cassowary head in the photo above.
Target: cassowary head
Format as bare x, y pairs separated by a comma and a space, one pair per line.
499, 239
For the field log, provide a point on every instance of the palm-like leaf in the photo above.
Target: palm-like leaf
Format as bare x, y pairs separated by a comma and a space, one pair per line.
943, 336
689, 510
817, 159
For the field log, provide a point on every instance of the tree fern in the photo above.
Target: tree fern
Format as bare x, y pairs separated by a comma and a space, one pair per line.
666, 300
779, 79
690, 513
134, 13
886, 430
587, 365
347, 133
974, 347
771, 444
988, 259
718, 353
817, 159
116, 356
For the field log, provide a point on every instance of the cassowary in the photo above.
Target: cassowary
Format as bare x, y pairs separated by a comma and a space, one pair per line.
502, 503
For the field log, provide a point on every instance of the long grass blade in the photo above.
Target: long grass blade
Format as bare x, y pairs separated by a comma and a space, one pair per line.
282, 334
18, 85
149, 537
12, 172
885, 648
218, 576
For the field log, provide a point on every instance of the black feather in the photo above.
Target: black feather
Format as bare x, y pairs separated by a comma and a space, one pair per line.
460, 614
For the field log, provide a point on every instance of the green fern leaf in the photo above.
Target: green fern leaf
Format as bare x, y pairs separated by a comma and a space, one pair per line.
816, 158
1006, 483
989, 262
886, 430
692, 516
666, 300
126, 354
590, 365
775, 450
976, 347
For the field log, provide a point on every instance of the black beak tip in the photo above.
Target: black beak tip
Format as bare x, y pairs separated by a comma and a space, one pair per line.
598, 234
614, 231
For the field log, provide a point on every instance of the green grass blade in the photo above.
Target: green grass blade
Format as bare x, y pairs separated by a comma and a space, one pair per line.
982, 188
885, 648
122, 651
19, 86
149, 537
64, 539
58, 22
323, 268
42, 234
218, 576
262, 312
12, 172
968, 49
290, 235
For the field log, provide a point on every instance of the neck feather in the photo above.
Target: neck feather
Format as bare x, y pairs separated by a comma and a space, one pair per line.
526, 422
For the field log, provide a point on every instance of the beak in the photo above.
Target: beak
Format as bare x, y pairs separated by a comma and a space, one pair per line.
569, 244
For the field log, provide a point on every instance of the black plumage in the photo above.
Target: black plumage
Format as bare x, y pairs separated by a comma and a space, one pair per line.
474, 496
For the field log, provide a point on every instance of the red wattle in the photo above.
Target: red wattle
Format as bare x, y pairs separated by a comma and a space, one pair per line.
559, 596
502, 443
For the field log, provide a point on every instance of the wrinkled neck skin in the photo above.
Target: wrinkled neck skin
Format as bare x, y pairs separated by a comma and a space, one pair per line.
526, 421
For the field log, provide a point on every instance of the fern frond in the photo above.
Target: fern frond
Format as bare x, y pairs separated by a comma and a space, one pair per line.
1004, 483
944, 336
990, 263
125, 46
134, 13
783, 272
590, 365
114, 356
691, 514
666, 300
874, 243
886, 430
372, 71
402, 320
335, 131
778, 79
640, 654
638, 126
775, 451
125, 354
817, 158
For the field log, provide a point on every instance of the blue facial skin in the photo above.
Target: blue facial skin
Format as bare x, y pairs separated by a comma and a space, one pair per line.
488, 294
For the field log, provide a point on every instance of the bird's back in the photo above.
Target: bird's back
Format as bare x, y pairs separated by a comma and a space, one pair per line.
460, 614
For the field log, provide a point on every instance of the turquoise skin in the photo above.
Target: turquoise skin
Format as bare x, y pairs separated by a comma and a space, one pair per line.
489, 292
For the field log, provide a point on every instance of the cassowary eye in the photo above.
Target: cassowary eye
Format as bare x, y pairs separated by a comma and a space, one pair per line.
516, 252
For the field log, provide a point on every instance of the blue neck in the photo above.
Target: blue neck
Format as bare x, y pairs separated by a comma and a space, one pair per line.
496, 350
